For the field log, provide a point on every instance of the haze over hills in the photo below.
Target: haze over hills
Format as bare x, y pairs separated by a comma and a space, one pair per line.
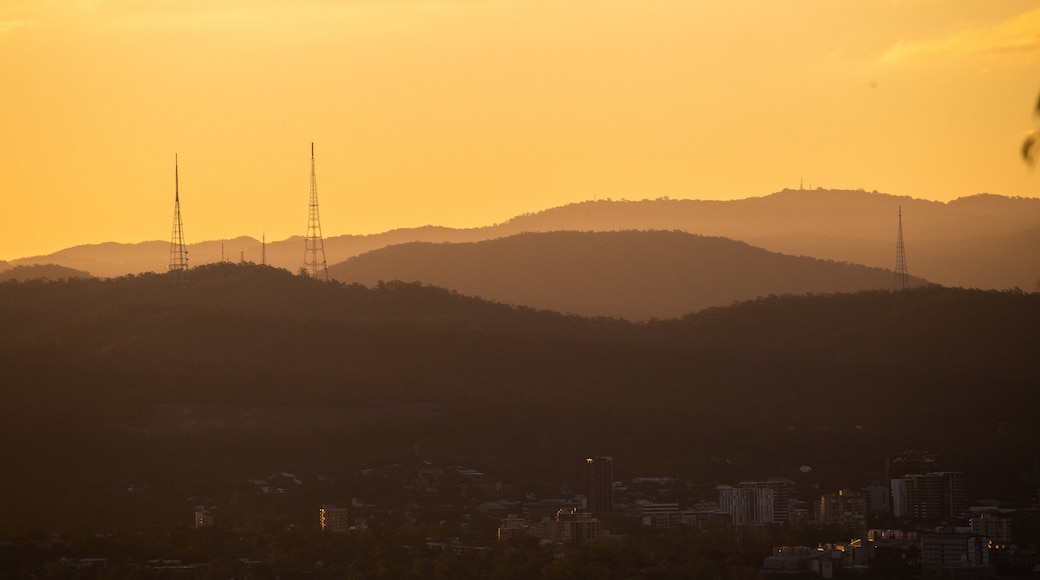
635, 275
182, 388
983, 241
39, 271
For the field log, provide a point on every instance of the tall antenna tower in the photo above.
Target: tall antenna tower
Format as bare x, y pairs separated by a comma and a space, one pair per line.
314, 256
263, 249
902, 277
178, 253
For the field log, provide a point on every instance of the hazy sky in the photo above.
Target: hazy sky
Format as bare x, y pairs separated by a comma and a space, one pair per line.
468, 112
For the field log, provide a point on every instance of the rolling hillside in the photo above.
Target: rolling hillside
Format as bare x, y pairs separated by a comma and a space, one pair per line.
633, 275
40, 271
181, 387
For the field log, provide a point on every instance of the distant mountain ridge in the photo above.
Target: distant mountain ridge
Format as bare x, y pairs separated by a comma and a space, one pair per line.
982, 241
635, 275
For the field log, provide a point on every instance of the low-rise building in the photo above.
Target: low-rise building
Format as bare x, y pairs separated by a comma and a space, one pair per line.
566, 527
512, 526
663, 516
957, 552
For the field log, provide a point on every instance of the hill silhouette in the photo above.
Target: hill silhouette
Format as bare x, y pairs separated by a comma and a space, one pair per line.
40, 271
635, 275
980, 241
185, 387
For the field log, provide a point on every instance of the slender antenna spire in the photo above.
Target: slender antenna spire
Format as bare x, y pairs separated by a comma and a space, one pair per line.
263, 249
902, 277
178, 253
314, 256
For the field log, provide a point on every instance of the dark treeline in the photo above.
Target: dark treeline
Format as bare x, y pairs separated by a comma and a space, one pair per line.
151, 381
404, 551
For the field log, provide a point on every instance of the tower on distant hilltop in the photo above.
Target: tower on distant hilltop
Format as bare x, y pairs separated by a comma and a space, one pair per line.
178, 253
902, 277
263, 249
314, 256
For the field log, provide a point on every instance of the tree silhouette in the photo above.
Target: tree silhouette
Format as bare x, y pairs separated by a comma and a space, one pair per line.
1029, 146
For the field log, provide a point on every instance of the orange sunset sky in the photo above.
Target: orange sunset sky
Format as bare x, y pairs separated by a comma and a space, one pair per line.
467, 112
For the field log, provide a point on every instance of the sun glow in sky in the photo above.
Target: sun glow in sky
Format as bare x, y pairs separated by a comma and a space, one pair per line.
467, 112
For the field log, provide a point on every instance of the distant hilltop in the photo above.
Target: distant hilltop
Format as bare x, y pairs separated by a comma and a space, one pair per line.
980, 241
39, 272
636, 275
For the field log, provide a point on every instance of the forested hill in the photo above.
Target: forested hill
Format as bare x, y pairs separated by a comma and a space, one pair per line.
636, 275
40, 271
238, 371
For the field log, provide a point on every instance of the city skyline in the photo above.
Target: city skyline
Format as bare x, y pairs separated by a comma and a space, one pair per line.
465, 115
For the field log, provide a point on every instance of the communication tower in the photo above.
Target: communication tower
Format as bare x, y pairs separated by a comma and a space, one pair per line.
902, 277
178, 253
314, 256
263, 249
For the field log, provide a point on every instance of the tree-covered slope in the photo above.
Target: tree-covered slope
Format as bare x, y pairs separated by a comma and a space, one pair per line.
182, 386
635, 275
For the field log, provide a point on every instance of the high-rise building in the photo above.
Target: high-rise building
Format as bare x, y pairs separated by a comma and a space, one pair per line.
779, 500
910, 463
879, 497
599, 478
747, 505
846, 509
928, 496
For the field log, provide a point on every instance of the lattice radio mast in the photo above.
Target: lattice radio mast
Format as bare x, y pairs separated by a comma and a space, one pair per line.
263, 249
178, 253
902, 277
314, 256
